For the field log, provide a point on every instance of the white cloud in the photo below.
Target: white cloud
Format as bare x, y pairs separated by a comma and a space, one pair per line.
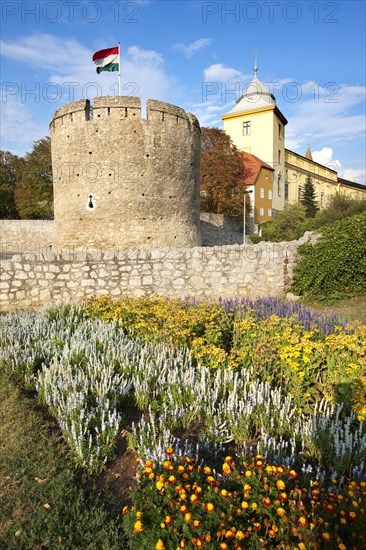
69, 65
19, 128
325, 157
323, 114
219, 73
355, 174
193, 47
145, 57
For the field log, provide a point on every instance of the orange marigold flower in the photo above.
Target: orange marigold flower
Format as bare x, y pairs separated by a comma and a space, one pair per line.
198, 490
281, 512
184, 509
138, 515
210, 507
246, 487
226, 468
341, 546
196, 523
283, 496
207, 470
257, 526
223, 546
194, 498
248, 473
160, 545
326, 536
292, 473
169, 451
181, 468
266, 501
168, 520
138, 526
352, 516
148, 464
172, 479
208, 537
187, 517
183, 543
280, 485
159, 485
239, 535
244, 505
229, 459
254, 505
302, 521
229, 535
211, 480
124, 510
224, 493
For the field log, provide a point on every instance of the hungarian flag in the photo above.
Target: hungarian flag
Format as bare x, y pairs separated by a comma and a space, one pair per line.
107, 60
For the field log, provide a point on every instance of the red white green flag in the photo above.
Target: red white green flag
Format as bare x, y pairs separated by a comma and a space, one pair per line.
107, 60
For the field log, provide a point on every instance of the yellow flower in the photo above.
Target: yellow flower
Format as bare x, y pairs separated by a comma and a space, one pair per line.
280, 485
160, 545
281, 512
326, 536
138, 526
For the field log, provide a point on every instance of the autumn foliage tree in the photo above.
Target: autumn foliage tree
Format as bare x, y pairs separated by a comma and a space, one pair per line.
222, 173
34, 192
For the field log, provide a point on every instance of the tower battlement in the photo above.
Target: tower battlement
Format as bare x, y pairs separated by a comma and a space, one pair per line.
122, 180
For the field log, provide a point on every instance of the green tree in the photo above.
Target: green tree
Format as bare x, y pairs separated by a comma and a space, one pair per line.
222, 174
34, 193
308, 198
10, 173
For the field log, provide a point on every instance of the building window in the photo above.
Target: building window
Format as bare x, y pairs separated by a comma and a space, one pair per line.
279, 131
261, 211
270, 194
286, 191
246, 128
270, 212
299, 193
261, 192
279, 157
279, 185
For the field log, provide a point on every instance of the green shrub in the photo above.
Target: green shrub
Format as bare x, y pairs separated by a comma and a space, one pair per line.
334, 267
286, 226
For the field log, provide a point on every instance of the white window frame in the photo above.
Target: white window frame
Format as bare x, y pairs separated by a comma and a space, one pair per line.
246, 128
269, 211
261, 211
261, 192
270, 194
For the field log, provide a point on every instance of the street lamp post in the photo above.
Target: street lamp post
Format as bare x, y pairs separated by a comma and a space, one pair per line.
245, 193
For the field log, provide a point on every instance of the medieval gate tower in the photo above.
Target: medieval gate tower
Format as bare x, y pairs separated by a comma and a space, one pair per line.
124, 182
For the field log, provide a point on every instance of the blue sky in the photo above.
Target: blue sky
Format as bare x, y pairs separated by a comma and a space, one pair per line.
195, 54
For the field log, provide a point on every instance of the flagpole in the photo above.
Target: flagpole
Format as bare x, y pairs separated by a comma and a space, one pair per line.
119, 68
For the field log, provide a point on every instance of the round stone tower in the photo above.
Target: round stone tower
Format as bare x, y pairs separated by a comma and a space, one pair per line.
124, 182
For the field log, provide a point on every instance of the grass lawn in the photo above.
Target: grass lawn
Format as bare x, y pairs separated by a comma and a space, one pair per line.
43, 502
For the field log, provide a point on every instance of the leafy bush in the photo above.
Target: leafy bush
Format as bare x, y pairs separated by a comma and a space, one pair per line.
293, 221
335, 266
286, 226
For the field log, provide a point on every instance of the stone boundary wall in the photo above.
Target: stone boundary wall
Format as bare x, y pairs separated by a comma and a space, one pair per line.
35, 280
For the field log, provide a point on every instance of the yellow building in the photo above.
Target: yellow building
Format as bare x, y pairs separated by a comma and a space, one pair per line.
257, 126
259, 175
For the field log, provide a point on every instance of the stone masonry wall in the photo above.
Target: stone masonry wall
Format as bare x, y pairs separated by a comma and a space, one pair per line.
34, 280
121, 180
18, 236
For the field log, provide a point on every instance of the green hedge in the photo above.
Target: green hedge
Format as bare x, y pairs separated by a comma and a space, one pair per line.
334, 267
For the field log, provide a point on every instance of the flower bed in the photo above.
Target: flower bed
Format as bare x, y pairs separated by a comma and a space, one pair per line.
208, 378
